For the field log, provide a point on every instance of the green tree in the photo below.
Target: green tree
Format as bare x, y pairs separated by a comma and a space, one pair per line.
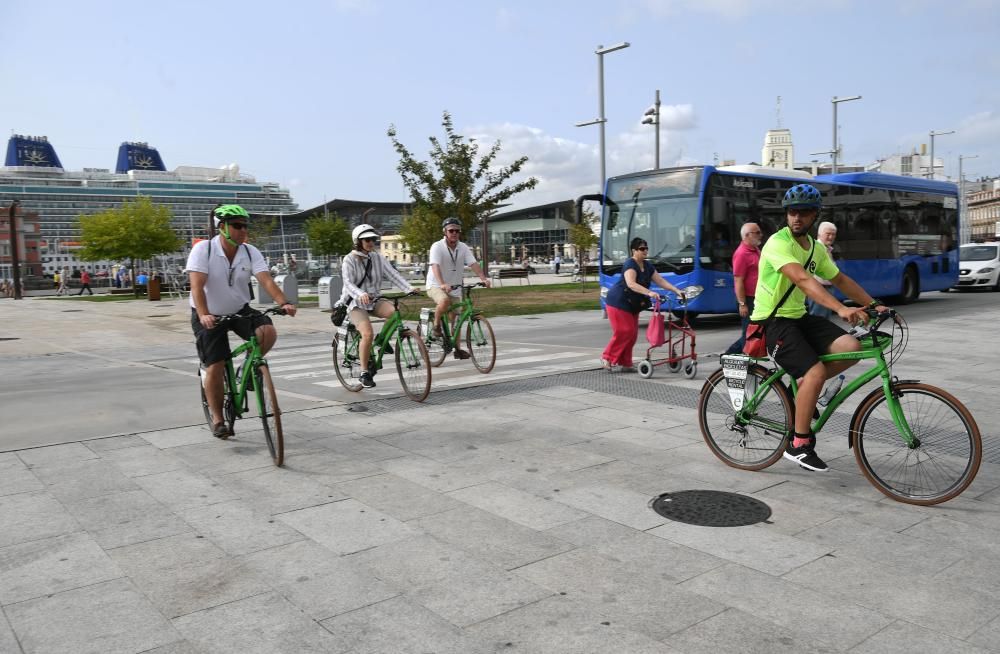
582, 236
328, 236
419, 231
138, 229
457, 181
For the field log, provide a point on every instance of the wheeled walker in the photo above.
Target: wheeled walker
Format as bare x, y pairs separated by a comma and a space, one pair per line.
679, 341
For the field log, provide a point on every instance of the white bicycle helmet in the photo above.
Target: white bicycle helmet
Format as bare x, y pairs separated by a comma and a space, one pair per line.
363, 231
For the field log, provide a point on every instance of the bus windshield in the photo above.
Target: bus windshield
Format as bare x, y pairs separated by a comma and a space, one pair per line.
660, 208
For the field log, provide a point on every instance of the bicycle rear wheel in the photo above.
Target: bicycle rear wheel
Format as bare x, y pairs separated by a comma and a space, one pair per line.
433, 344
480, 343
758, 440
345, 363
945, 459
413, 365
270, 414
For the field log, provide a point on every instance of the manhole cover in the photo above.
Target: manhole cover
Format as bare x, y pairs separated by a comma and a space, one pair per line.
9, 338
71, 310
708, 508
357, 408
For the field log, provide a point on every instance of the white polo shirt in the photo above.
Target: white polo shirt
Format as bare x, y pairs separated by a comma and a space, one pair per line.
452, 262
224, 297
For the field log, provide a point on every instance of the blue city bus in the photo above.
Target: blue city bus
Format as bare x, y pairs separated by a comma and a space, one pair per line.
896, 236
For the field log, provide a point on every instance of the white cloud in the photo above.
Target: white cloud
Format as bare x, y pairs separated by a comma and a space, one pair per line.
567, 168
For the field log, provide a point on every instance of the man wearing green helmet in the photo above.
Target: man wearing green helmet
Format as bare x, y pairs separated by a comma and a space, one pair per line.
794, 338
219, 270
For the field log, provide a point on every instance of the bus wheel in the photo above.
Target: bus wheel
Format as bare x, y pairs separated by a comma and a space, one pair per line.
911, 286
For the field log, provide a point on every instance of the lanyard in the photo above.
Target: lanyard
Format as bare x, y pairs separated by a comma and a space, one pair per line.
454, 257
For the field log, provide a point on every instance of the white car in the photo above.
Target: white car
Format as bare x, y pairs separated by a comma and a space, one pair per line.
979, 266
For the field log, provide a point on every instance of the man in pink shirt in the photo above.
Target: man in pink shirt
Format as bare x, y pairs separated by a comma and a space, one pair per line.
745, 260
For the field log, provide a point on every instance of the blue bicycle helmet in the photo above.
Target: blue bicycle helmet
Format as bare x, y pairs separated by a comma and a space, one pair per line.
802, 195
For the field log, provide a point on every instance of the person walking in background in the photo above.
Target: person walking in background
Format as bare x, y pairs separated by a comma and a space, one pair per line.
745, 261
55, 279
63, 281
556, 262
626, 300
827, 233
85, 283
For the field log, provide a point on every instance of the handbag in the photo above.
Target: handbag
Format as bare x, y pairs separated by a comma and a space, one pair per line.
755, 343
655, 332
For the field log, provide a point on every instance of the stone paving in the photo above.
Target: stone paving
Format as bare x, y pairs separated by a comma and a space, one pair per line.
518, 523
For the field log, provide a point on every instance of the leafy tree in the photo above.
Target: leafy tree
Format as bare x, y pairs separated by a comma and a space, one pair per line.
138, 229
457, 181
328, 235
419, 231
582, 236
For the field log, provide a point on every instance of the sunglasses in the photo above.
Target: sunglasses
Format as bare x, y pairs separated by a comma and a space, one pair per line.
802, 211
453, 231
643, 248
237, 225
369, 239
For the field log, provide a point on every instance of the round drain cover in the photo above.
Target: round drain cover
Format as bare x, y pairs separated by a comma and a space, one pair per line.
708, 508
357, 408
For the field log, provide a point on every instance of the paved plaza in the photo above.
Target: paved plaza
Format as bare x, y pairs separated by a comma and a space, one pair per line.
513, 517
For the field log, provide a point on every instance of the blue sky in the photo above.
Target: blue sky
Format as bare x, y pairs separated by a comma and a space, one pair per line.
302, 92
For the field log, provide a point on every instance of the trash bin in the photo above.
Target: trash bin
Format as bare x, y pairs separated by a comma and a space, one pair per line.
289, 285
323, 289
153, 289
260, 294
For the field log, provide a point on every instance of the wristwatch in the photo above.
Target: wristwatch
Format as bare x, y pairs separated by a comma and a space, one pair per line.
741, 303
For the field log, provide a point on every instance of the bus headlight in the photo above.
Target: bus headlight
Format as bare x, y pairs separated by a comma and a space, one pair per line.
691, 292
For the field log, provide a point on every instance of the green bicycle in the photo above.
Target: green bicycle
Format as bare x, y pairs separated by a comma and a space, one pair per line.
478, 334
252, 375
412, 362
914, 442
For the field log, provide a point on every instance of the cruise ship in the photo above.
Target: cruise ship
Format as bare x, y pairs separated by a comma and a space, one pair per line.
34, 175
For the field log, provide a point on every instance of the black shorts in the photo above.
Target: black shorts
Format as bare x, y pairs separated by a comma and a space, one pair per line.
796, 343
213, 344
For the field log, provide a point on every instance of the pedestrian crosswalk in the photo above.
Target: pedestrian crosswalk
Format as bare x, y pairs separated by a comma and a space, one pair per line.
313, 365
295, 368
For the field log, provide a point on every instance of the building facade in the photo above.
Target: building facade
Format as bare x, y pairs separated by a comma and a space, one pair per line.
983, 202
778, 150
29, 251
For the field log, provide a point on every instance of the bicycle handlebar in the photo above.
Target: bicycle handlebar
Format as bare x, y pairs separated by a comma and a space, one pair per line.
233, 316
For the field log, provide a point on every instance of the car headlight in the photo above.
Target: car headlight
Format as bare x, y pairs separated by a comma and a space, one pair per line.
985, 271
691, 292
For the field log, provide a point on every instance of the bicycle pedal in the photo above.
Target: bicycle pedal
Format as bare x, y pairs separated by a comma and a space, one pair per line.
387, 349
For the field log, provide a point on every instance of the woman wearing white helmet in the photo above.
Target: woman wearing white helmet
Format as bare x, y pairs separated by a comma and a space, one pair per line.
363, 271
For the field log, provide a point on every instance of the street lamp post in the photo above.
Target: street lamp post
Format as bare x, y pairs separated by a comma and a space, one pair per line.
601, 119
933, 134
652, 117
836, 145
965, 230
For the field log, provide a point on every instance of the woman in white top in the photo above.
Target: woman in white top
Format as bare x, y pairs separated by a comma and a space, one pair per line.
363, 271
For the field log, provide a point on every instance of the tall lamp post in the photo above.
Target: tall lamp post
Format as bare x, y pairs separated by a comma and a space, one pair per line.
933, 134
836, 145
601, 119
652, 117
965, 229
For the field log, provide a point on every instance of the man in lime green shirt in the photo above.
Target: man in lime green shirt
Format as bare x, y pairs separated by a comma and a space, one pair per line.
795, 339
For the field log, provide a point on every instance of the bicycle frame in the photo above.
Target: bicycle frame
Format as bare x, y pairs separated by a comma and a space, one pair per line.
880, 369
466, 310
253, 358
392, 326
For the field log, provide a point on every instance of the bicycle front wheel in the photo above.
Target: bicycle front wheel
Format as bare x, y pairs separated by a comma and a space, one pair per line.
752, 442
413, 366
270, 414
944, 459
433, 344
480, 343
346, 365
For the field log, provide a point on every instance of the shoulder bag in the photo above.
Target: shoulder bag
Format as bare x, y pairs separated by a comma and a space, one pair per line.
755, 344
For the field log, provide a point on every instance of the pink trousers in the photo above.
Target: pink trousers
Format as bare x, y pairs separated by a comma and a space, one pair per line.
624, 333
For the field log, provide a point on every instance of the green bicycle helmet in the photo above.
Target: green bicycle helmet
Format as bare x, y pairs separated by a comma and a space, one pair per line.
803, 195
227, 212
